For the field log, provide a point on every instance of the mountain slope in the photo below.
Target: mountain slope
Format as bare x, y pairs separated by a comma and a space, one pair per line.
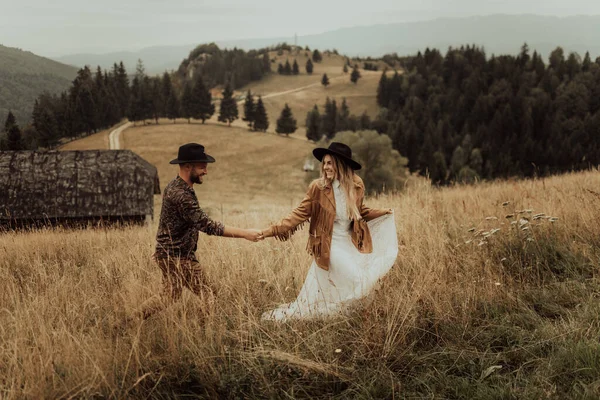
157, 59
23, 76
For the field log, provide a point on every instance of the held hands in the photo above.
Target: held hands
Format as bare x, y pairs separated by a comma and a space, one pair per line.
254, 235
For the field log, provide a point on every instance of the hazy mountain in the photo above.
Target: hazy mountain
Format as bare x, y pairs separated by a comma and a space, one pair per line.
23, 76
157, 59
497, 33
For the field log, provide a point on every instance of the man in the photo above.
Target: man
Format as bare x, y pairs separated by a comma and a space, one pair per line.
181, 218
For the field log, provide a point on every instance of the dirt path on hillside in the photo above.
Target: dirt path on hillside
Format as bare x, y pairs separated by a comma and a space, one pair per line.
114, 138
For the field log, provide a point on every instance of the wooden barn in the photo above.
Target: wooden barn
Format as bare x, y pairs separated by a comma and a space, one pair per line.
75, 187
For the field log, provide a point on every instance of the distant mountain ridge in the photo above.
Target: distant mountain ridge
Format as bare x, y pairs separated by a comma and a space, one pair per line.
23, 76
499, 34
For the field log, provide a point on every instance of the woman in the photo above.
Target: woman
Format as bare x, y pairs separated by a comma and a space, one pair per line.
353, 246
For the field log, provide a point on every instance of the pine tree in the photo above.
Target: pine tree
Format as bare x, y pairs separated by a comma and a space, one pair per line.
44, 122
329, 119
165, 91
286, 123
249, 110
587, 62
261, 121
173, 107
355, 75
202, 107
266, 63
365, 121
383, 97
295, 68
313, 119
309, 66
14, 139
228, 111
122, 88
10, 121
325, 80
345, 69
82, 98
145, 99
287, 68
316, 56
187, 102
157, 102
280, 69
343, 117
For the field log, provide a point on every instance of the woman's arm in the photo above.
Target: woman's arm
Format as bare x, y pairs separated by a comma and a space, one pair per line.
285, 228
371, 213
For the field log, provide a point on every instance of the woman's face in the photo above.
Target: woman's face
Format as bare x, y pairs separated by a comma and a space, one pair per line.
328, 167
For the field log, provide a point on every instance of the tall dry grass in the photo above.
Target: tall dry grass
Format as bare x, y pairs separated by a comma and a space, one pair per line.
511, 315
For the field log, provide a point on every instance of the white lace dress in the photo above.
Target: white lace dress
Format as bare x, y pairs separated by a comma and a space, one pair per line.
351, 276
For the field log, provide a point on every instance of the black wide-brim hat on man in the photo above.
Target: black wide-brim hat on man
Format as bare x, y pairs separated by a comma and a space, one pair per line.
339, 150
192, 153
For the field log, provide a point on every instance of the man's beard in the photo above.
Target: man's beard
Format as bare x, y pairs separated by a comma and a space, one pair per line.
195, 178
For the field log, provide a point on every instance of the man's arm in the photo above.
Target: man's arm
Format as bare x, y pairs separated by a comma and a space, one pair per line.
253, 235
191, 211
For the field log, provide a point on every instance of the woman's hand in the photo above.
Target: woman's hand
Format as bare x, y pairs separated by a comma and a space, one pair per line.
389, 211
254, 235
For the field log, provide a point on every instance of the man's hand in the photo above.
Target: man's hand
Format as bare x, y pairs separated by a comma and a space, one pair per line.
390, 211
254, 235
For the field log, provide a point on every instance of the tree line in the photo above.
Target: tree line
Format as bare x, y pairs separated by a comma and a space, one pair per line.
463, 116
100, 99
221, 66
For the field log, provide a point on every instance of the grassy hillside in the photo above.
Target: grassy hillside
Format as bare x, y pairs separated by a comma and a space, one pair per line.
252, 170
466, 312
23, 76
303, 91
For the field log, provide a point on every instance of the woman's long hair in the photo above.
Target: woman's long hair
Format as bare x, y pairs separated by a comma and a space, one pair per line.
345, 175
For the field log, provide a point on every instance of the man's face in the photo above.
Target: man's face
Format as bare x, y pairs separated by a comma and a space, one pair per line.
197, 172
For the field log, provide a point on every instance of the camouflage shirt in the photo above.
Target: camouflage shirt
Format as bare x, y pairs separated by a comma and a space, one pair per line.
180, 220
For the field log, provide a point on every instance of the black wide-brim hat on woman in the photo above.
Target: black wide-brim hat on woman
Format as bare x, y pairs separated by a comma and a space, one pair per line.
339, 150
192, 153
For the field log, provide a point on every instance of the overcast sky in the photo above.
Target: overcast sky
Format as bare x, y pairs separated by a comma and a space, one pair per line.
77, 26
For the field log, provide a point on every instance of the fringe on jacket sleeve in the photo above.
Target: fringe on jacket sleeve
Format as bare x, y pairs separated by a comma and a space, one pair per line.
285, 228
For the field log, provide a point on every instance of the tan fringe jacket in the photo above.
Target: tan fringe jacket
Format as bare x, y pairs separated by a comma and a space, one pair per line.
318, 206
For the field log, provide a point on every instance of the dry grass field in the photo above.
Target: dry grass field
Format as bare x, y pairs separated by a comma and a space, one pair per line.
487, 299
92, 142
